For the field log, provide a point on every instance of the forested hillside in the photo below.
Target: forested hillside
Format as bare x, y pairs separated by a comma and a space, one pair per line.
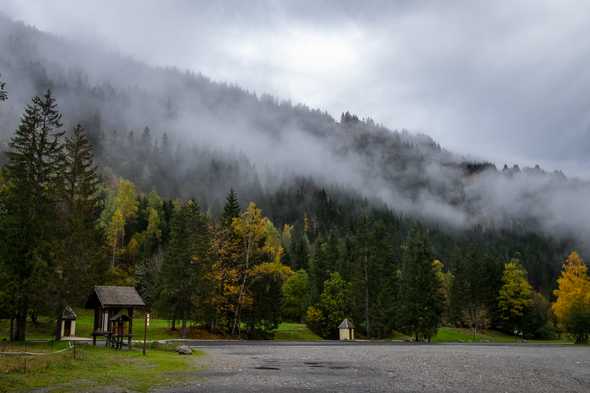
235, 211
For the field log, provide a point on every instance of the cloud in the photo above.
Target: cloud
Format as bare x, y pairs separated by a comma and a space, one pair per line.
506, 81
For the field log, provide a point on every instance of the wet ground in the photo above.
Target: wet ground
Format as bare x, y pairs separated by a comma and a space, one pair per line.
334, 367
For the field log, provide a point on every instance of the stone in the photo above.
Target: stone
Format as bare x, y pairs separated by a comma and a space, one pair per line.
184, 350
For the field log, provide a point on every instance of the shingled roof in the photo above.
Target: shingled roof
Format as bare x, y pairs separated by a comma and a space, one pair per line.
113, 296
346, 324
68, 314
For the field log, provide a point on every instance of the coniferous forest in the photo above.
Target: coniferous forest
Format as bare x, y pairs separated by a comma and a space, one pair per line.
402, 238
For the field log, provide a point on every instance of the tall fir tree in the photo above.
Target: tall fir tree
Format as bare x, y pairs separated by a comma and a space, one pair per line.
469, 290
319, 269
183, 280
31, 224
231, 209
82, 262
81, 179
3, 92
421, 300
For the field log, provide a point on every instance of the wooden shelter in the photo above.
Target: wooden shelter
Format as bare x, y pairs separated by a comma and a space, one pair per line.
113, 313
66, 324
346, 330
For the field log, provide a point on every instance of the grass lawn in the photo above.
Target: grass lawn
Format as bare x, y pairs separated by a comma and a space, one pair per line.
295, 332
450, 334
159, 328
459, 335
96, 366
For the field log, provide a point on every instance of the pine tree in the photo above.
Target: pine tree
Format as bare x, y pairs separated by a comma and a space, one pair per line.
35, 183
226, 266
421, 302
468, 290
231, 209
183, 283
319, 269
81, 180
82, 262
3, 92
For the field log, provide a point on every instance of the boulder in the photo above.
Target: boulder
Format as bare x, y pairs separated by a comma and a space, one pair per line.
184, 350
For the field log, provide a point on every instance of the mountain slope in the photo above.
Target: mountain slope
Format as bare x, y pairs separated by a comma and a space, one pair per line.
219, 136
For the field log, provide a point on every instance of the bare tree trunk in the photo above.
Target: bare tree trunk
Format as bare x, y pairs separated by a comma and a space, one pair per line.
367, 296
114, 251
21, 327
242, 288
11, 335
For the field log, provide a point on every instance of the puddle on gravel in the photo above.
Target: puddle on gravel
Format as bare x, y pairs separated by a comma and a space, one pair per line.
331, 366
266, 368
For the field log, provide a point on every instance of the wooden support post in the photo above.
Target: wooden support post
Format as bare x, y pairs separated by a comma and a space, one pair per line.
145, 327
130, 332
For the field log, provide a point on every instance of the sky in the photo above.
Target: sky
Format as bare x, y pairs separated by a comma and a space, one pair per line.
506, 81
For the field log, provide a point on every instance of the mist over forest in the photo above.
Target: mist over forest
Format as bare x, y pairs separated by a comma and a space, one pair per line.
278, 141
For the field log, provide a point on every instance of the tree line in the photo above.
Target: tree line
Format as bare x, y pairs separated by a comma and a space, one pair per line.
317, 256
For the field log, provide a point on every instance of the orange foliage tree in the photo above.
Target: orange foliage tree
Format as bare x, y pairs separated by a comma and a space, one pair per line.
572, 307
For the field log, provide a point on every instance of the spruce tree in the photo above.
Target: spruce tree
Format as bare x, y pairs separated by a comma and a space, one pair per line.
183, 280
319, 270
3, 92
81, 180
30, 227
421, 301
469, 289
82, 262
231, 209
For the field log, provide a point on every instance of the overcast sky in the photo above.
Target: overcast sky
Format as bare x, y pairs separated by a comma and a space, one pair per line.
507, 81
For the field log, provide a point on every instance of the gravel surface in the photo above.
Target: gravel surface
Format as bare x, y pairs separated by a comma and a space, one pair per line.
391, 368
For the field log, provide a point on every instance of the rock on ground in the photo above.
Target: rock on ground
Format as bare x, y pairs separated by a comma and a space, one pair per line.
184, 350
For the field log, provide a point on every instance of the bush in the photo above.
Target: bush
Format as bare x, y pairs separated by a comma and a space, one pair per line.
314, 319
295, 296
577, 323
537, 319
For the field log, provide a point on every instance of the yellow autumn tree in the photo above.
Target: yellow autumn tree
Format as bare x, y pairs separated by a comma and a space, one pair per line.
572, 307
260, 243
122, 206
445, 282
515, 296
115, 232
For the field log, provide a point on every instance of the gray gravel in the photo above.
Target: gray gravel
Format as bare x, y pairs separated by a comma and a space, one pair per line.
392, 368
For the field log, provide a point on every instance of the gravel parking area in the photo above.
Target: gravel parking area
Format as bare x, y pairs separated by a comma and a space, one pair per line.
392, 368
